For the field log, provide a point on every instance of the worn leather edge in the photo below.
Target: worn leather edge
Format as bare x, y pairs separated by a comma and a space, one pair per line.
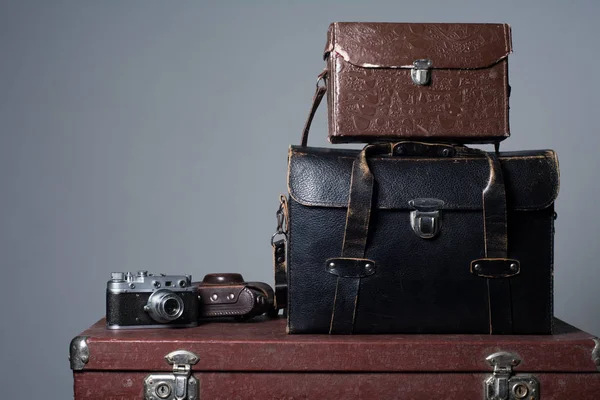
332, 33
508, 36
332, 98
554, 155
330, 40
506, 99
548, 154
338, 138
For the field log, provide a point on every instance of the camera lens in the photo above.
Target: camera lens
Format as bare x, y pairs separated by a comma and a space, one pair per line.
164, 306
171, 307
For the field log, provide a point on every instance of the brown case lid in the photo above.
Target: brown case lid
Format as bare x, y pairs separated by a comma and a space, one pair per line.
397, 45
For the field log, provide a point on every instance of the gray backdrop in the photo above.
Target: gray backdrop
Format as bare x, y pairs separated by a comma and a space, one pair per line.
154, 135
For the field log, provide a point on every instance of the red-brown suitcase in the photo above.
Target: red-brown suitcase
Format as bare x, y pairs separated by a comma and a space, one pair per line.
258, 360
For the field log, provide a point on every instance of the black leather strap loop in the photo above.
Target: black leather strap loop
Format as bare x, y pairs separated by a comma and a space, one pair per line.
344, 306
347, 267
495, 267
421, 149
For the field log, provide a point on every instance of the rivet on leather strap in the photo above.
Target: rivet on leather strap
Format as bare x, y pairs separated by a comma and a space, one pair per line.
495, 267
350, 267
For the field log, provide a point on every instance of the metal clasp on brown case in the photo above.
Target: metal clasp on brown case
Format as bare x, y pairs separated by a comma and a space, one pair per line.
421, 72
504, 384
180, 384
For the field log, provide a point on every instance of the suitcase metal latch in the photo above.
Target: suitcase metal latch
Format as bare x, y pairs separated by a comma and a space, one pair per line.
426, 219
503, 385
421, 71
180, 385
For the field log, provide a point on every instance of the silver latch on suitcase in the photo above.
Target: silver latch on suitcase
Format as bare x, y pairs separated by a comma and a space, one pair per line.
180, 385
503, 385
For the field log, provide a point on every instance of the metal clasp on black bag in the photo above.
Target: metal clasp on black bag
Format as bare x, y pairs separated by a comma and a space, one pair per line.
279, 254
281, 220
426, 219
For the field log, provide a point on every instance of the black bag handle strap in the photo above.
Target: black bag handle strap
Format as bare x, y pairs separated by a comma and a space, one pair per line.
318, 96
357, 227
354, 245
496, 247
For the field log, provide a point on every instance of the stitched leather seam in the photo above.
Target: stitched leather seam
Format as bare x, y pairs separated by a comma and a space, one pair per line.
506, 99
333, 78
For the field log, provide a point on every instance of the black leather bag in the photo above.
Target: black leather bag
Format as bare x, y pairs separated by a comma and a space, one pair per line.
420, 238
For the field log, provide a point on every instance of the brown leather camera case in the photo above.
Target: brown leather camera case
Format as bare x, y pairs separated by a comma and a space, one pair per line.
389, 81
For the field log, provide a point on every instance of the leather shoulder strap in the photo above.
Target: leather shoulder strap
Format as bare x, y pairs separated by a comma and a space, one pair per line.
318, 96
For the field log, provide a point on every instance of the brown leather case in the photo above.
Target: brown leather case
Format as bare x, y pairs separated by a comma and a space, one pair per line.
390, 81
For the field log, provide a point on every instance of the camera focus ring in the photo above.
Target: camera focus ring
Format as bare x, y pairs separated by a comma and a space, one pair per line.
164, 306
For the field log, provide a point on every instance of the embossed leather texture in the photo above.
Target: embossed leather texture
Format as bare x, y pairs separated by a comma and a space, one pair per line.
371, 95
420, 285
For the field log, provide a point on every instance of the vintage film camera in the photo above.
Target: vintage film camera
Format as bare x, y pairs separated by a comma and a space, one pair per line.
228, 295
144, 300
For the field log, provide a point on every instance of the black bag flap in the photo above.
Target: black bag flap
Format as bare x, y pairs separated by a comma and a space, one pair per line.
398, 45
321, 177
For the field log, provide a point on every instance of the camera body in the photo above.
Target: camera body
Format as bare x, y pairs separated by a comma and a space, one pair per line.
144, 300
228, 295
